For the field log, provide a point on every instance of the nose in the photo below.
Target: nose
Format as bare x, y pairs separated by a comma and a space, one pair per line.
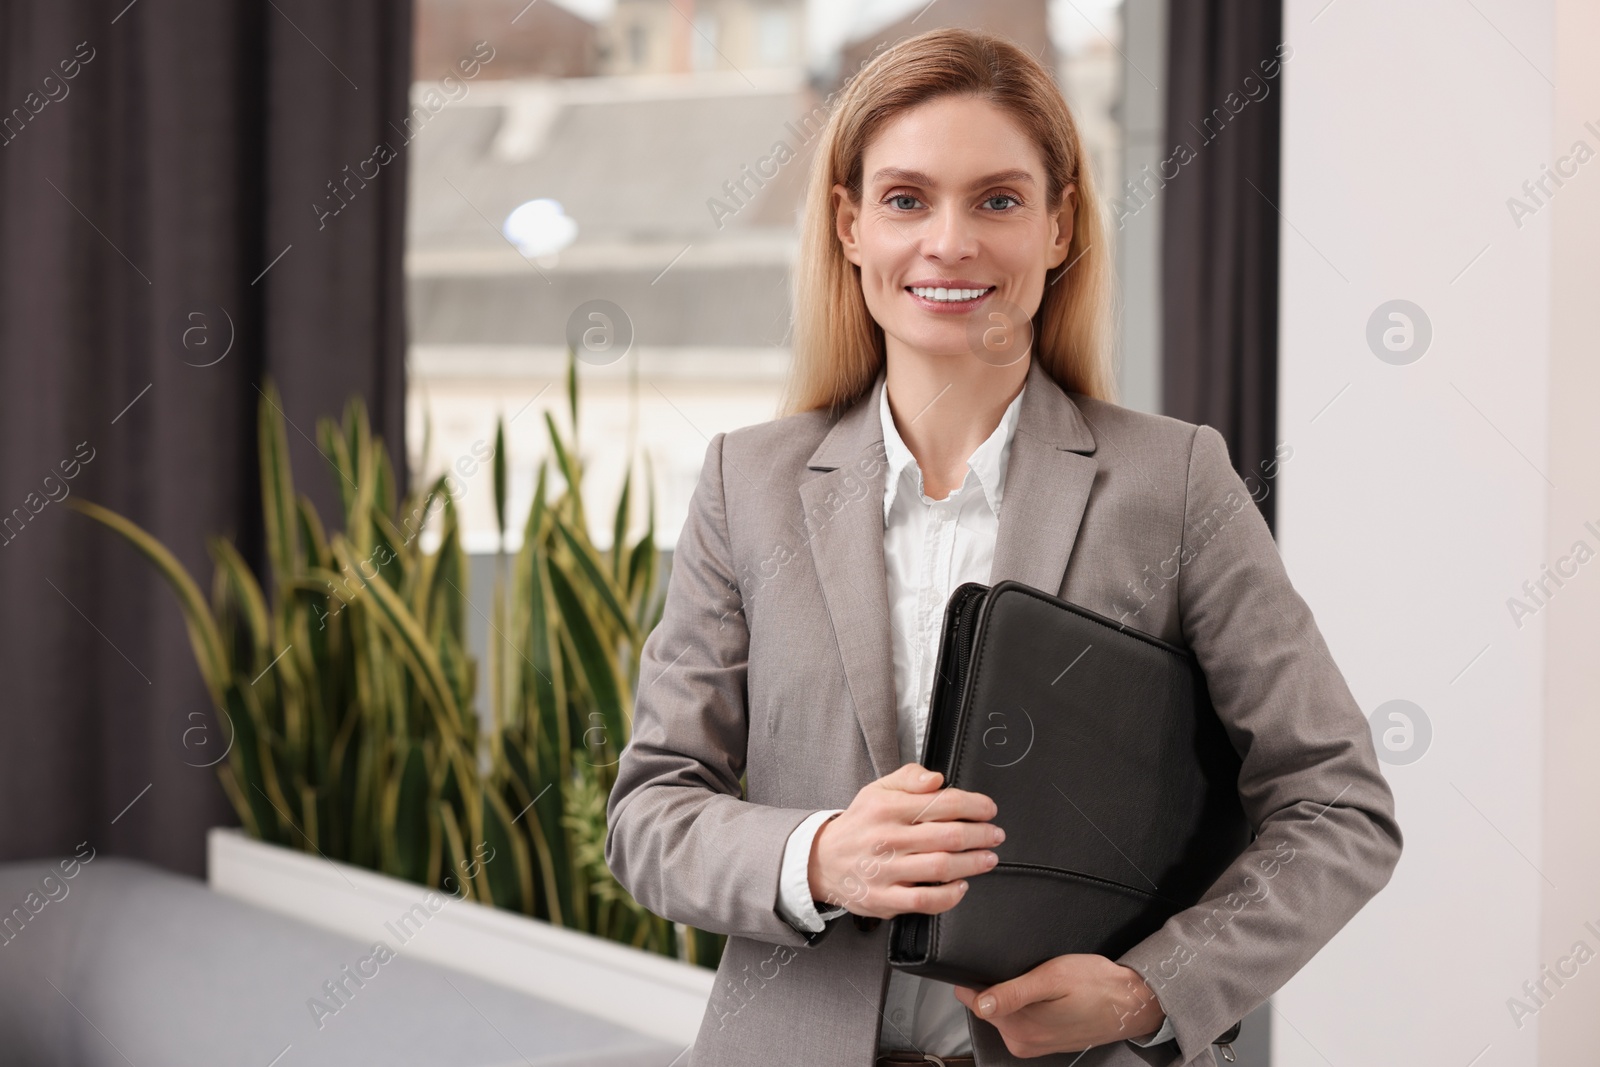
950, 236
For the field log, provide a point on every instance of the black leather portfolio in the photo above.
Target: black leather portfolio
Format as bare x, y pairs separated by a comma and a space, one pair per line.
1114, 780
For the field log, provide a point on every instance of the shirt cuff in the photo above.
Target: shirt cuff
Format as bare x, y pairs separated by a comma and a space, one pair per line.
794, 881
1163, 1034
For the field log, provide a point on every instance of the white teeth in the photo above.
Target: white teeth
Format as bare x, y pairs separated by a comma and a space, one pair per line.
948, 295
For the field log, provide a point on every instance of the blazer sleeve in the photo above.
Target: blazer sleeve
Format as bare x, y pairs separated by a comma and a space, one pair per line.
680, 837
1310, 782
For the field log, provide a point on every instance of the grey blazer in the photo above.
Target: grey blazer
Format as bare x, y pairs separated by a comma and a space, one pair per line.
766, 692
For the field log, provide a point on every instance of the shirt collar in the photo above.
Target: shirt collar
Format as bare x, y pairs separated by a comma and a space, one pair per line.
988, 461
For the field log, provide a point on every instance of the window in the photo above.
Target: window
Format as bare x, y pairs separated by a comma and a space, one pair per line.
650, 157
638, 38
705, 42
774, 36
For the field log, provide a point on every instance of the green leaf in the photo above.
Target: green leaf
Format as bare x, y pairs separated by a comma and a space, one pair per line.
461, 674
440, 597
406, 800
568, 466
500, 480
406, 637
598, 580
384, 491
572, 390
619, 528
336, 447
418, 507
204, 636
247, 772
596, 662
509, 869
313, 540
232, 568
456, 878
277, 485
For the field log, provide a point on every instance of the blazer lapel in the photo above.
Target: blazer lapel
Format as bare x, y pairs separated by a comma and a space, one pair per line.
844, 526
1048, 478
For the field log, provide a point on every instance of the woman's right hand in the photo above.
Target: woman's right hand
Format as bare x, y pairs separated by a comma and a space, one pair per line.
900, 833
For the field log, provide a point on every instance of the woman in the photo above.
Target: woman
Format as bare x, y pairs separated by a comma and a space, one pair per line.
950, 419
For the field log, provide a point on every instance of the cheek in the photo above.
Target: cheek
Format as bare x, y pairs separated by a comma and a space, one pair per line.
882, 251
1026, 256
1024, 262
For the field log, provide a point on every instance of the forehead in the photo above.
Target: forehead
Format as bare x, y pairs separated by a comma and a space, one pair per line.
952, 140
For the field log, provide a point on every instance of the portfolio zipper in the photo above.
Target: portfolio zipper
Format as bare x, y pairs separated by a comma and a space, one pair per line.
947, 694
907, 947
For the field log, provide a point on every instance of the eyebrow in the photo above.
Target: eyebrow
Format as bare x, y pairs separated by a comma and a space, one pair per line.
917, 177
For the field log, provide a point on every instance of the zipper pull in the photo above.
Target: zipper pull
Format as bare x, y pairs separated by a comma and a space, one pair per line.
1227, 1050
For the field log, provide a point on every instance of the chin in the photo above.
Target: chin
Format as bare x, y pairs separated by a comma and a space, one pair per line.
945, 342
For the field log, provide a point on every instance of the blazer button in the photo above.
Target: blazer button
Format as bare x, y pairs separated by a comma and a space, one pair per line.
866, 923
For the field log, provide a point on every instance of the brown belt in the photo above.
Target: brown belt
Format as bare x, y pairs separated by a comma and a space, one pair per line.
901, 1057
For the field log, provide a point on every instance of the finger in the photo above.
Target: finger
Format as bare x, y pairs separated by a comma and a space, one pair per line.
947, 835
913, 899
926, 796
912, 778
943, 804
911, 868
1007, 997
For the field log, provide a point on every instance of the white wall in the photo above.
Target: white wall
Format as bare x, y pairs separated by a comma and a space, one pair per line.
1569, 1028
1420, 497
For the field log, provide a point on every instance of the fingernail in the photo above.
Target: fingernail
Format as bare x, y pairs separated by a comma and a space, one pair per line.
985, 1005
963, 887
925, 776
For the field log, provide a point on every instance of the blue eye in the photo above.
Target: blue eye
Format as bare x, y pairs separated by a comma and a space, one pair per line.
1006, 201
903, 201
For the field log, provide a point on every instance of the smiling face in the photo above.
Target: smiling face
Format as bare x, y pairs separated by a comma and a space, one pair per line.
953, 222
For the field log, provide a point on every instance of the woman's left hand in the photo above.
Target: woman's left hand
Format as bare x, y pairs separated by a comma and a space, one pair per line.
1067, 1004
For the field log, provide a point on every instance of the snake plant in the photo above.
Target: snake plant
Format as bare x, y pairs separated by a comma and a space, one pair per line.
345, 692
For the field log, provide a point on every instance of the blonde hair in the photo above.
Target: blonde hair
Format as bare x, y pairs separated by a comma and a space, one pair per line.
838, 348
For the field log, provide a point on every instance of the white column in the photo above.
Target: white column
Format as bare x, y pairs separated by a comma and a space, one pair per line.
1427, 485
1569, 1024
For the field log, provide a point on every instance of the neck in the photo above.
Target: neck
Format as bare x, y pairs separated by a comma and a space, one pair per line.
944, 407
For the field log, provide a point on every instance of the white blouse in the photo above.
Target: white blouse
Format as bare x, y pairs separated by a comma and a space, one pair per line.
929, 548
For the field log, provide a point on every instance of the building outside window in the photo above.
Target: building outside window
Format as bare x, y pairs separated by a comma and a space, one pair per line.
640, 162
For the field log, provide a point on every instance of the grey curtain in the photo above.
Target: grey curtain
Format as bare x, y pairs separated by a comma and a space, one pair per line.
1219, 270
169, 174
